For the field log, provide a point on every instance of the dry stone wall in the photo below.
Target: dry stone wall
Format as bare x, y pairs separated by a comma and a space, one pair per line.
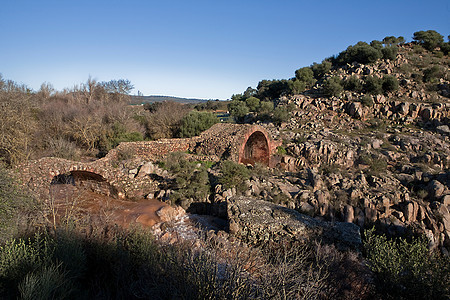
222, 141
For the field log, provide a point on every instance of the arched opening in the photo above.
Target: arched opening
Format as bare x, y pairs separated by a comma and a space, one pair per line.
256, 150
83, 180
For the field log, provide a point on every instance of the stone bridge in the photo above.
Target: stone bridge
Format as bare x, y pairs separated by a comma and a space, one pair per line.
248, 144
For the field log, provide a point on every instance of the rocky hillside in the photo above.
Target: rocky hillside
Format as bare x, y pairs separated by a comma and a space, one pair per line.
375, 159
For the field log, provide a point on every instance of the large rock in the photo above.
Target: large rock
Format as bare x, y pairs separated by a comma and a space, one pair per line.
257, 221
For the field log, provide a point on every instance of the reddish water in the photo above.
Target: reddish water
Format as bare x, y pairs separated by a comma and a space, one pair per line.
70, 200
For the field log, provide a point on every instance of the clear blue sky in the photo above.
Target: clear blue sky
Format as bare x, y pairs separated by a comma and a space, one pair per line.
204, 49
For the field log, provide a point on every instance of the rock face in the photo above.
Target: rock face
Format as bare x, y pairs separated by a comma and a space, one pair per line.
258, 221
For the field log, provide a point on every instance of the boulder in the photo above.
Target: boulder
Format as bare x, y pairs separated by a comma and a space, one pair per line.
147, 168
257, 221
436, 188
170, 213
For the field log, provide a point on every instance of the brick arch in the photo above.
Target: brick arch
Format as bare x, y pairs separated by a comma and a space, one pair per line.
255, 148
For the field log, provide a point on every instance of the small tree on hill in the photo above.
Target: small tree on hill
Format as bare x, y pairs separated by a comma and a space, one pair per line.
305, 75
373, 85
429, 39
389, 84
252, 103
332, 87
238, 109
321, 69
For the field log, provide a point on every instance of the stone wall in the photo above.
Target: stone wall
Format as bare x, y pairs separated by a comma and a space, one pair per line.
222, 141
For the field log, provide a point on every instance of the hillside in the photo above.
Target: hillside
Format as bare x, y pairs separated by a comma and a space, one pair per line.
359, 154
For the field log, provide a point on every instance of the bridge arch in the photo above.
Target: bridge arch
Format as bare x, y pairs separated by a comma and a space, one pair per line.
87, 180
255, 149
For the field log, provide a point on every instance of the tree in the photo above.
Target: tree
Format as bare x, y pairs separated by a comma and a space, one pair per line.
361, 53
252, 103
376, 44
389, 52
321, 69
121, 86
17, 124
238, 109
429, 39
265, 108
249, 92
298, 86
196, 122
273, 89
305, 75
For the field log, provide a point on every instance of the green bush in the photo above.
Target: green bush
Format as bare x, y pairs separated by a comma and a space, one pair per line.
389, 84
353, 83
191, 180
389, 52
321, 69
273, 89
252, 103
406, 270
233, 175
238, 109
281, 114
361, 52
281, 150
429, 39
305, 75
433, 74
298, 86
196, 122
366, 100
332, 87
373, 85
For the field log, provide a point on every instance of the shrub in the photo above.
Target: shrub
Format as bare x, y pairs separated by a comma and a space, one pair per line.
406, 270
389, 52
281, 150
389, 84
373, 85
252, 103
305, 75
321, 69
361, 52
196, 122
273, 89
298, 86
238, 109
281, 114
366, 100
429, 39
332, 87
265, 109
191, 180
233, 175
432, 74
353, 83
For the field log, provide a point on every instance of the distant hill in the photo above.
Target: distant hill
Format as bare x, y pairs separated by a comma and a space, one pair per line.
152, 99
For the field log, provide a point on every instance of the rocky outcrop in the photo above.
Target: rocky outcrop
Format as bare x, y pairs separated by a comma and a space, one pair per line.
258, 221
